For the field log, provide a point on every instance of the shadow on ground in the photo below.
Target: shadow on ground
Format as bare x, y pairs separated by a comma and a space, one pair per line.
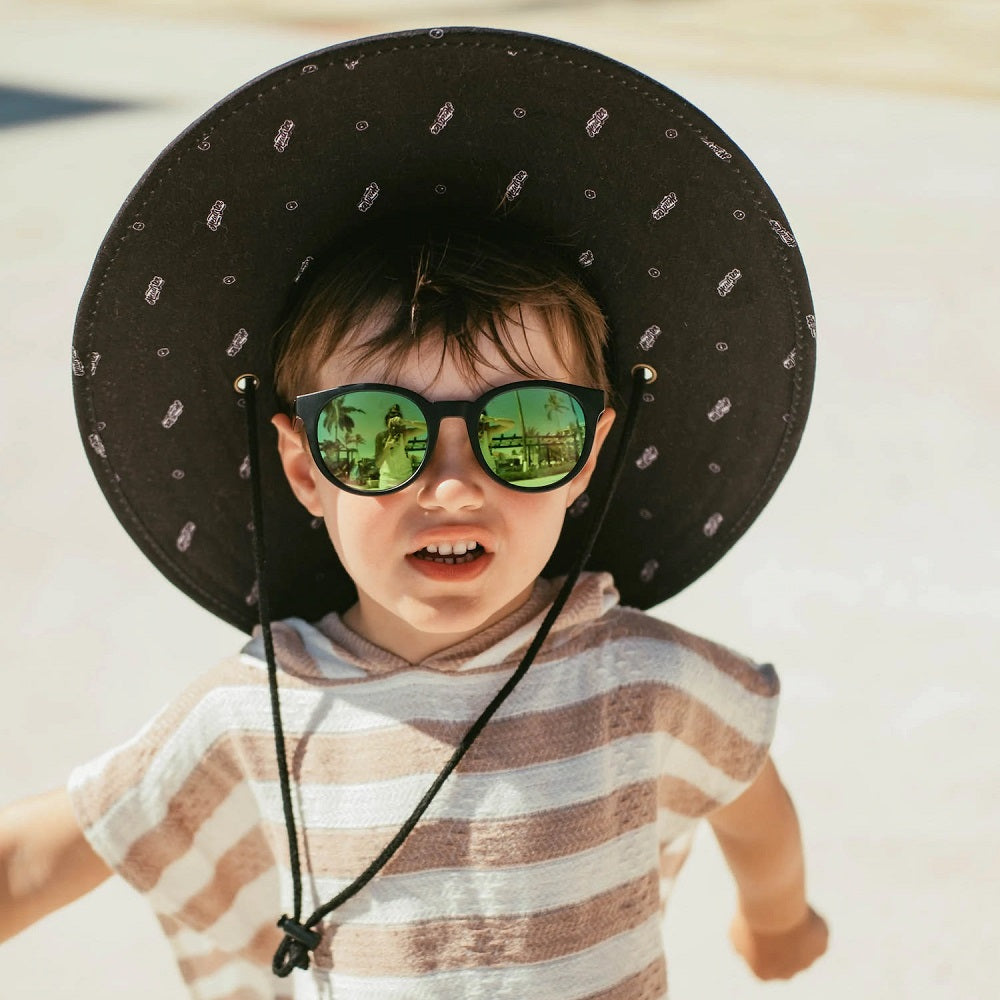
24, 106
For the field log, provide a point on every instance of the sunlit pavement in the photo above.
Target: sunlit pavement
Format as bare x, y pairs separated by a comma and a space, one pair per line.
870, 581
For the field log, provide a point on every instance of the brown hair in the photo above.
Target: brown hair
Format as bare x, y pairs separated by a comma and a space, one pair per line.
421, 282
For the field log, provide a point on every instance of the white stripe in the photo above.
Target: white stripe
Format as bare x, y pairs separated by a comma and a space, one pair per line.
426, 695
454, 893
583, 974
525, 791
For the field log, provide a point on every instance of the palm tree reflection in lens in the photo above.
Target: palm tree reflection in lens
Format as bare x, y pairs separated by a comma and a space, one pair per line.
375, 440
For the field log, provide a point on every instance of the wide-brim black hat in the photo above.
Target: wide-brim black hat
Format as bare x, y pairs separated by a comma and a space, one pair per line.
672, 228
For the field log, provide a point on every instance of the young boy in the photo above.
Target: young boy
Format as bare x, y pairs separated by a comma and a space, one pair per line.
540, 864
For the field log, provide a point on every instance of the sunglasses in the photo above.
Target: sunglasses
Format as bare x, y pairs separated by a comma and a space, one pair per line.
375, 439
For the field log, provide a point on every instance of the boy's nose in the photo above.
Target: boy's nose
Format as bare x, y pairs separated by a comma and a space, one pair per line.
452, 478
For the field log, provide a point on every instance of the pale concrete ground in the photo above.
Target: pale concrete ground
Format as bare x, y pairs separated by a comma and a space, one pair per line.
871, 580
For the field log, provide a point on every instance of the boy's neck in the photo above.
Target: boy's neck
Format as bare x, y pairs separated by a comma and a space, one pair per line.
413, 644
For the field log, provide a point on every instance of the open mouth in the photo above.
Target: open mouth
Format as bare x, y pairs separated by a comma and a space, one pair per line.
451, 554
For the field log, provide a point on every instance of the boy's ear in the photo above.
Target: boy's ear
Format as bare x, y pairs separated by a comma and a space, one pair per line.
582, 478
300, 469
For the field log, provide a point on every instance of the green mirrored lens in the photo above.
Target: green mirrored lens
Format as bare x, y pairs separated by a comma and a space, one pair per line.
532, 437
372, 440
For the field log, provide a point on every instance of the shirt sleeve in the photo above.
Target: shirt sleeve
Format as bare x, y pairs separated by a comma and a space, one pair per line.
173, 812
719, 711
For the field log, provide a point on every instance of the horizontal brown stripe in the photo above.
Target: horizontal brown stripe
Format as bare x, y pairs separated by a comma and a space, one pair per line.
485, 942
506, 743
484, 845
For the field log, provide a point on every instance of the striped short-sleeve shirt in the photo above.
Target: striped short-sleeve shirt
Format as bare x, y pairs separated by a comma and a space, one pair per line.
542, 867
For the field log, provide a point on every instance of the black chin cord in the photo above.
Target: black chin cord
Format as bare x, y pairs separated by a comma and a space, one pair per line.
301, 938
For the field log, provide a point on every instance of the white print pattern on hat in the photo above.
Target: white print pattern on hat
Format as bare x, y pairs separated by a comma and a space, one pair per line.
667, 202
516, 185
648, 570
728, 283
97, 444
783, 234
722, 154
587, 258
173, 413
811, 323
93, 359
214, 219
650, 337
185, 536
648, 457
444, 115
153, 289
712, 525
789, 361
721, 408
236, 345
596, 121
368, 198
283, 135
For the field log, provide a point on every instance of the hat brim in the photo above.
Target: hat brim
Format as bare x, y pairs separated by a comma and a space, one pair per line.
672, 228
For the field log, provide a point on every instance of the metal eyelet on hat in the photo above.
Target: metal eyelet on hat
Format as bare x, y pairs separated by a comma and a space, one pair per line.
648, 372
241, 382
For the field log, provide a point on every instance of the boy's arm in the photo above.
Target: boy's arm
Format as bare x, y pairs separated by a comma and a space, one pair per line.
775, 929
45, 860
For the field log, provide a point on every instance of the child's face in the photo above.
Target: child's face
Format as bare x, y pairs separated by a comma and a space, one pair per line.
413, 606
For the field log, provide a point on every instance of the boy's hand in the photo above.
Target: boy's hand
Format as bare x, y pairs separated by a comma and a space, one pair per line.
775, 929
780, 954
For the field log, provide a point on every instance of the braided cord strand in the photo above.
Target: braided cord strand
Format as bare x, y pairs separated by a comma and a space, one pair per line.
294, 954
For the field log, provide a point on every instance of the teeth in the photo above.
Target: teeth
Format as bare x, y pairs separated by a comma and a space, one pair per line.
451, 549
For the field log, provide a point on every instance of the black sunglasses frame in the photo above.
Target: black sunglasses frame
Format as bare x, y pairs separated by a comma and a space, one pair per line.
309, 407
